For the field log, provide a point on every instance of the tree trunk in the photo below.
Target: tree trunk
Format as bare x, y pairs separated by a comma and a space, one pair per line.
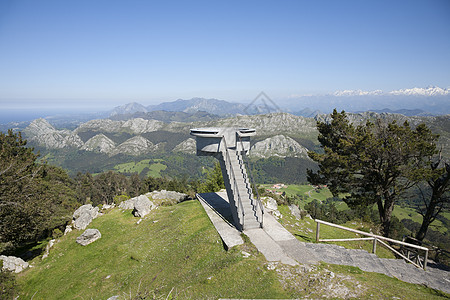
385, 216
427, 219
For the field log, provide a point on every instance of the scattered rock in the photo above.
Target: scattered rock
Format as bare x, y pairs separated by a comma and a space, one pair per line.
84, 215
295, 211
68, 229
245, 254
142, 206
47, 248
14, 264
89, 236
113, 298
108, 206
271, 266
272, 206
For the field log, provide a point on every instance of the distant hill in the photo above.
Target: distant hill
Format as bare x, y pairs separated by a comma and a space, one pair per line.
405, 112
168, 116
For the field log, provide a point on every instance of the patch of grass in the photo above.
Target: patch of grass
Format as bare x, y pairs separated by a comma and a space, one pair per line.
155, 169
154, 165
175, 249
305, 231
307, 191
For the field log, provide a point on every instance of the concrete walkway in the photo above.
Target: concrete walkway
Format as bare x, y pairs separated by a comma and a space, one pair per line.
273, 241
278, 244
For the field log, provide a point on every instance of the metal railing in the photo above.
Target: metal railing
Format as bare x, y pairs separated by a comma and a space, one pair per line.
236, 188
376, 238
252, 181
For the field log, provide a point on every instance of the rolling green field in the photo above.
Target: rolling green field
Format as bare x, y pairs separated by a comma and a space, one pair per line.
154, 165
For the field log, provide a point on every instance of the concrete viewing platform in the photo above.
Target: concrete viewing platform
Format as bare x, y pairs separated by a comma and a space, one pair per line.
273, 240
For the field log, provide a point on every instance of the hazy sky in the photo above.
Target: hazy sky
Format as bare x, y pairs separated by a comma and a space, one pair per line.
116, 52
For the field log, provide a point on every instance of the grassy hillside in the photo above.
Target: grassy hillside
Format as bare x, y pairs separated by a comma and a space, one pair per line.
175, 253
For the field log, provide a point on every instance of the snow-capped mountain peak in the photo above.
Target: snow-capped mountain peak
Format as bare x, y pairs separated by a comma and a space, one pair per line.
429, 91
356, 93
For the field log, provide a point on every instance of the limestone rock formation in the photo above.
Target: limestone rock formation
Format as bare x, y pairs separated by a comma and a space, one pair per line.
135, 146
142, 206
100, 125
43, 133
188, 146
127, 204
14, 264
167, 197
84, 215
278, 145
139, 125
99, 143
295, 211
89, 236
271, 206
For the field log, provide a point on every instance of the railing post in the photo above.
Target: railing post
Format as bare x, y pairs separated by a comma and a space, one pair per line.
317, 232
374, 247
425, 261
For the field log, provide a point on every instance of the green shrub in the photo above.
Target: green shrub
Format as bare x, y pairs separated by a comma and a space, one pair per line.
120, 198
57, 233
7, 283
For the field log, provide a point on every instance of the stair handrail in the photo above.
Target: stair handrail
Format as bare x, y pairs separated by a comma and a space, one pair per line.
247, 162
236, 188
375, 238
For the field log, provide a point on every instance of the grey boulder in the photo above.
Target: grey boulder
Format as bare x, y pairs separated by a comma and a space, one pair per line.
84, 215
14, 264
142, 206
89, 236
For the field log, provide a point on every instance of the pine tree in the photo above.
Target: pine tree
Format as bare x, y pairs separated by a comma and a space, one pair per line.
374, 163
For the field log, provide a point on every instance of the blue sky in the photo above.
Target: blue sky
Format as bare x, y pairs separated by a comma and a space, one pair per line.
106, 53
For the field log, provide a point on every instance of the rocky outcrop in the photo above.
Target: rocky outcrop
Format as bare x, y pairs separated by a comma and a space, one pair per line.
84, 215
280, 146
139, 125
39, 127
167, 197
271, 206
188, 146
268, 124
41, 132
295, 211
137, 145
100, 125
89, 236
140, 205
99, 143
14, 264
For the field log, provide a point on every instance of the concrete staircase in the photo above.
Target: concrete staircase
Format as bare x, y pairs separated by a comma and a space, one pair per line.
249, 214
